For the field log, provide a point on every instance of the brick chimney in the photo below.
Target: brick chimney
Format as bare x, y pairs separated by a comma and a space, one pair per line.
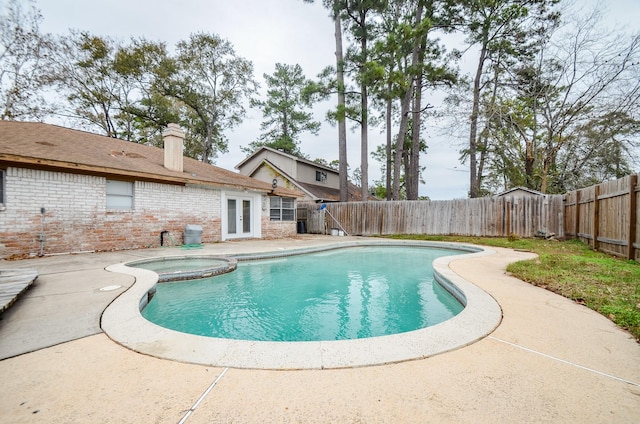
173, 141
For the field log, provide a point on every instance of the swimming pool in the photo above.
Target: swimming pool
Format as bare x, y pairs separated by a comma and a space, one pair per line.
122, 321
339, 294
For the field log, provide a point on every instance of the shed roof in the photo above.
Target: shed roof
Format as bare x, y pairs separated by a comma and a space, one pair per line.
522, 189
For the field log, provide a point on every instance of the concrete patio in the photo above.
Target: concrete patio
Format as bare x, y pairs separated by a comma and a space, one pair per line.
549, 360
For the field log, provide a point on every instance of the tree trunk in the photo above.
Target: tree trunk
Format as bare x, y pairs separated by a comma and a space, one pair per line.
413, 171
364, 112
529, 163
402, 132
530, 159
342, 125
207, 150
406, 161
544, 178
480, 163
389, 145
364, 145
405, 110
549, 160
411, 177
474, 180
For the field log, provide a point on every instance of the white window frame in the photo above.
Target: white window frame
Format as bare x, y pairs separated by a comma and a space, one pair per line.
120, 195
277, 209
321, 176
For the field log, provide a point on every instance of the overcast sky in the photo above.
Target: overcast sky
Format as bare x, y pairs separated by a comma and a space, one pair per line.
269, 32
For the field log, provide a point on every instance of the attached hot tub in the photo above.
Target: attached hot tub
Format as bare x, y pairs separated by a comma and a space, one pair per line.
174, 268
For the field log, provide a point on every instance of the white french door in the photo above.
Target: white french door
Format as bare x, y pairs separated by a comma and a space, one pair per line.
239, 222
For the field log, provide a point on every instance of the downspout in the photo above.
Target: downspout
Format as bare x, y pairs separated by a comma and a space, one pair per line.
41, 238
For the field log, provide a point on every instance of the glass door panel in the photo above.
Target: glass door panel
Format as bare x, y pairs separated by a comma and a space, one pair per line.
246, 216
232, 216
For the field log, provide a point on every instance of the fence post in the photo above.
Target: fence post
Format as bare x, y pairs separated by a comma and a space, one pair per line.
633, 216
576, 223
507, 204
596, 216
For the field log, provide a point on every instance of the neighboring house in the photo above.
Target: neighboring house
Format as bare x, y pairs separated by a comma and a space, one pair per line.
63, 190
319, 183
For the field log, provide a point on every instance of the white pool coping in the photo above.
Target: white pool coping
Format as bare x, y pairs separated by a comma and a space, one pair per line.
123, 323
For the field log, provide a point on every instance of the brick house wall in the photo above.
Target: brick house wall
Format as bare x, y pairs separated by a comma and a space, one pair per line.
278, 229
76, 218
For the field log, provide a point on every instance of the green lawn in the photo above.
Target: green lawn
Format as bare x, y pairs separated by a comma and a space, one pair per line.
606, 284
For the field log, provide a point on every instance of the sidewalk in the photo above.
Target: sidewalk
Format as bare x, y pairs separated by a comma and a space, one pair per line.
550, 360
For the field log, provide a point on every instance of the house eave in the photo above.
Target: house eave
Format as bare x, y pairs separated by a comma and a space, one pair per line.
77, 168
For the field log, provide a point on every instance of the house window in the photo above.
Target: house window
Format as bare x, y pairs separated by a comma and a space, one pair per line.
119, 195
321, 176
2, 191
282, 209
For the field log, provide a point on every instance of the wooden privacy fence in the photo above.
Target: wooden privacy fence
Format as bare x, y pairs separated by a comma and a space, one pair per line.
606, 216
488, 216
603, 215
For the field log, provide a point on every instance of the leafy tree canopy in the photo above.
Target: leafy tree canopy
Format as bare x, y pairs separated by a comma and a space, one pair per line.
285, 111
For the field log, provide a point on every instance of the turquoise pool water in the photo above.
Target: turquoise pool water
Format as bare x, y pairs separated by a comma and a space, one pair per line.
340, 294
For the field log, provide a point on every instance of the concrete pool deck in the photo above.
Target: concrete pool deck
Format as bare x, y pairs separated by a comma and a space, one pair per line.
549, 360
